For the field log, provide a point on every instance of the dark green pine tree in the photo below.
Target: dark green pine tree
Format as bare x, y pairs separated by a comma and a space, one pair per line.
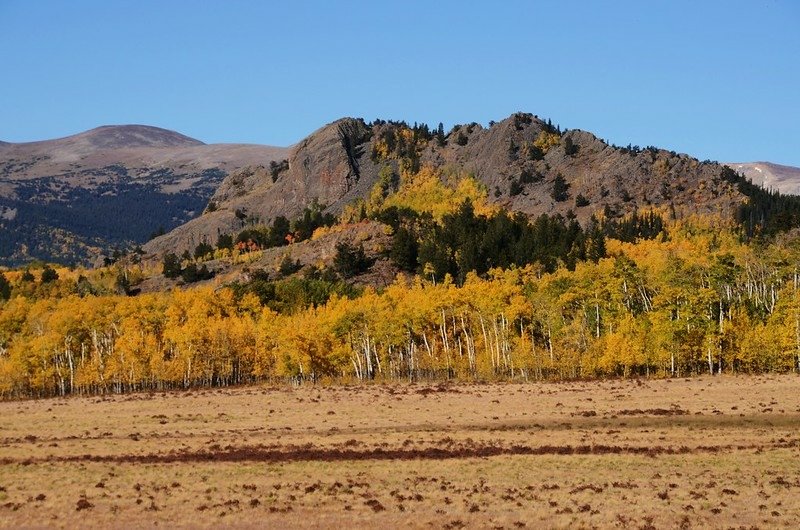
404, 250
440, 138
560, 187
171, 266
5, 287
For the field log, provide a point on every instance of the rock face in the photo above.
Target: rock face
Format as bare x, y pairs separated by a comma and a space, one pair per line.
785, 179
331, 166
622, 179
338, 164
73, 199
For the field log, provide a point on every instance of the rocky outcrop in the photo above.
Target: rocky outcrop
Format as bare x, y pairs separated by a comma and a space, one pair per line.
622, 179
329, 167
518, 159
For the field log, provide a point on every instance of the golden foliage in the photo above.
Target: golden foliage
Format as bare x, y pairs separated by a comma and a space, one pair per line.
546, 140
699, 302
432, 191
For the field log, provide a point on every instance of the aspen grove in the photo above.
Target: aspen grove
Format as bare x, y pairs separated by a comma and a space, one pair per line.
699, 301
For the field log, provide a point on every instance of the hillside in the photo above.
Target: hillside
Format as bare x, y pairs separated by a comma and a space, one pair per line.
73, 199
513, 252
520, 161
785, 179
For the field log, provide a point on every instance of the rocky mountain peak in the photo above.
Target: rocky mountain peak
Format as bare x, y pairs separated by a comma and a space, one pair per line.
519, 160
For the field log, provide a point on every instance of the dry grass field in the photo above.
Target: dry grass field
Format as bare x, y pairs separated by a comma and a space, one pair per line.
719, 452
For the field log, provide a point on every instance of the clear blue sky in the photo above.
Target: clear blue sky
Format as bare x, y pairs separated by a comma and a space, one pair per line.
716, 79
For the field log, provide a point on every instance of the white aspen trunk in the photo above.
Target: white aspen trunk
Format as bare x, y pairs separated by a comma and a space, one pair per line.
487, 345
454, 328
71, 362
597, 320
98, 352
536, 362
427, 346
721, 330
61, 382
506, 345
413, 360
443, 330
772, 298
377, 357
509, 354
797, 338
470, 346
367, 356
496, 363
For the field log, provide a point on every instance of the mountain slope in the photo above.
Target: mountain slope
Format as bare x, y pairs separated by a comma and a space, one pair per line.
72, 199
519, 160
785, 179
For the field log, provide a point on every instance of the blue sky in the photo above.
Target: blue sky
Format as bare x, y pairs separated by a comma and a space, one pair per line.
716, 79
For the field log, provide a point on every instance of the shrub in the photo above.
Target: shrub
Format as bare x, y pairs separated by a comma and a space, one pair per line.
171, 265
225, 241
192, 273
560, 187
49, 274
288, 266
350, 260
202, 249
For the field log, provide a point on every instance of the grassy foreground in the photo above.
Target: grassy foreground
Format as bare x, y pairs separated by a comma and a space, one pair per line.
694, 453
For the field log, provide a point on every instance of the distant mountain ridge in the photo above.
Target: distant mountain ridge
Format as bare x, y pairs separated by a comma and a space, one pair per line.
75, 198
122, 136
785, 179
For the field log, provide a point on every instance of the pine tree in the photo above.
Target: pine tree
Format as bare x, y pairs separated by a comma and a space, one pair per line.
404, 250
349, 260
225, 241
440, 137
171, 266
560, 187
5, 287
48, 274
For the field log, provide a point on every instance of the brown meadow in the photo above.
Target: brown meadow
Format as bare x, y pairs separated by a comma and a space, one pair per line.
689, 453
